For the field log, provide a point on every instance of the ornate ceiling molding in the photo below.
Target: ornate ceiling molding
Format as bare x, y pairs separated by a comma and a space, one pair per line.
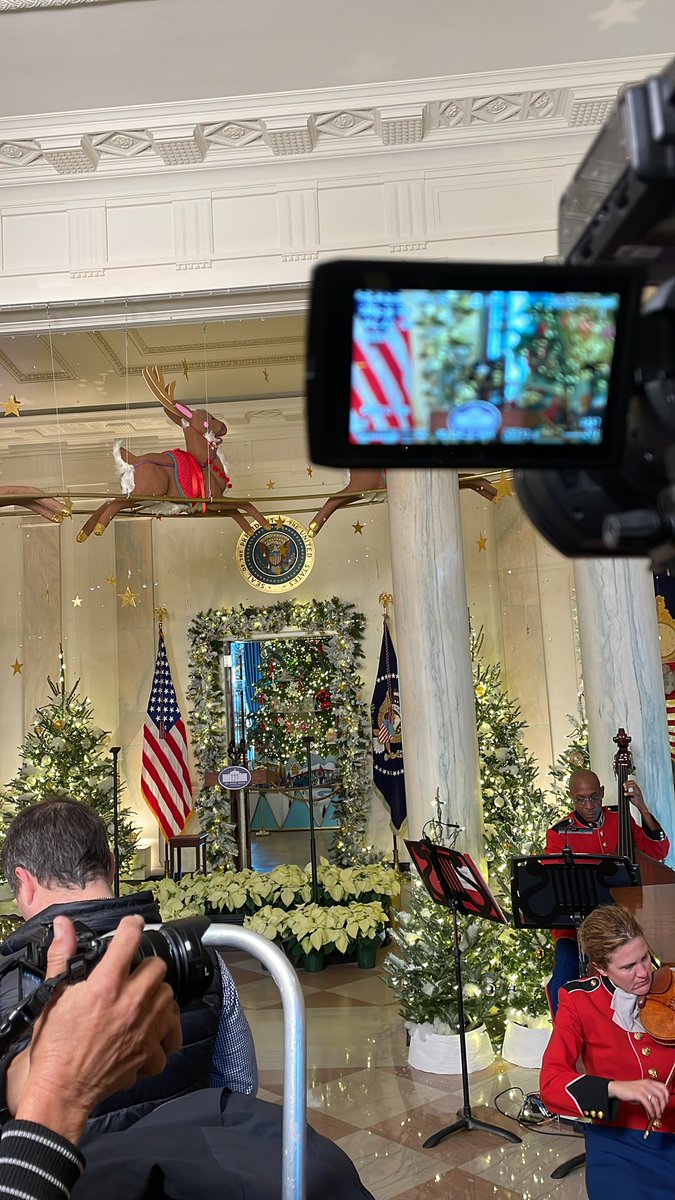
329, 123
18, 5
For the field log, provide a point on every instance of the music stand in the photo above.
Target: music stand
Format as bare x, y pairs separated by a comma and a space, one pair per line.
556, 891
453, 880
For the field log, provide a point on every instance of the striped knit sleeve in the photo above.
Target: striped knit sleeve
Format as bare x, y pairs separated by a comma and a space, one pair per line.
36, 1163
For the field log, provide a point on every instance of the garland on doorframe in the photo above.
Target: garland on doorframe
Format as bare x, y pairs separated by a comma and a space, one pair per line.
340, 628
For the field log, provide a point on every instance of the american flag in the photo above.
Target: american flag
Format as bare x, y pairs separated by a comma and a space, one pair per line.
381, 383
165, 777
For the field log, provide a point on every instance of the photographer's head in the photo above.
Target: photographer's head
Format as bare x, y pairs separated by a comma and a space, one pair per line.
55, 851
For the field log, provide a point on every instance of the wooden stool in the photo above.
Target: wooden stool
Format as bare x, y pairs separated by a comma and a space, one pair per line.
175, 847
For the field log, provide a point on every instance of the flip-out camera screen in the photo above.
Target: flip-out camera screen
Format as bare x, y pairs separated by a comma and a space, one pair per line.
528, 371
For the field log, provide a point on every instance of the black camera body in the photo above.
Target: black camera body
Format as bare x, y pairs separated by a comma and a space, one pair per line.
189, 967
565, 373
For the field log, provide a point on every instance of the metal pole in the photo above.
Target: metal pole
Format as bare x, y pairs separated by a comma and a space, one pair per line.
312, 831
114, 750
294, 1127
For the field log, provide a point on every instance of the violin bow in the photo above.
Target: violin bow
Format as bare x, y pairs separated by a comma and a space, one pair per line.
650, 1123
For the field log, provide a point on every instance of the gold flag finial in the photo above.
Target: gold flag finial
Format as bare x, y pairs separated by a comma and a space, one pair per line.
385, 599
161, 614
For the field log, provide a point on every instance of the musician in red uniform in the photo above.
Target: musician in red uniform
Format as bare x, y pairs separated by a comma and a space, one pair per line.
593, 828
620, 1084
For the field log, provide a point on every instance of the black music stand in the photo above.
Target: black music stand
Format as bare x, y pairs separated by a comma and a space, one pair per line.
556, 891
453, 880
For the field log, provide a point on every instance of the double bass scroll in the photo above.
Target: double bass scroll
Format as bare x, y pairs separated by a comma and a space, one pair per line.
651, 871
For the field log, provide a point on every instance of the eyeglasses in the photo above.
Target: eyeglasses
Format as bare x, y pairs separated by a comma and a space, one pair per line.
594, 798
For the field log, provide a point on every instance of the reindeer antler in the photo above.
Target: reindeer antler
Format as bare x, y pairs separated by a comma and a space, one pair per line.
154, 377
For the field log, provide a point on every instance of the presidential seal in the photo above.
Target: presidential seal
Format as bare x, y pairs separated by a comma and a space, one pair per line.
277, 559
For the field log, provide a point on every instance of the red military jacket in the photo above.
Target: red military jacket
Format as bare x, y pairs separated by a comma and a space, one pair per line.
584, 1030
603, 836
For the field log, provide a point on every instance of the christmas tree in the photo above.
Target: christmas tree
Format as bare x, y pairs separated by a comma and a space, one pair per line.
504, 969
63, 754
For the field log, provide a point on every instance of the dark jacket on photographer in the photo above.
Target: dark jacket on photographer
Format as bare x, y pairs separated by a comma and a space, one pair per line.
186, 1071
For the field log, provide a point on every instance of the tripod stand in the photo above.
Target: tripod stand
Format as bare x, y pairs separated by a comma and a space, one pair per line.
453, 880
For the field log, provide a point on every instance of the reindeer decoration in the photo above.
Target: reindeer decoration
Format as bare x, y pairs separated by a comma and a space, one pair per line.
372, 479
197, 473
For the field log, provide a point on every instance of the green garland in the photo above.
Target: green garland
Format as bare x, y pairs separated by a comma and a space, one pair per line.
341, 628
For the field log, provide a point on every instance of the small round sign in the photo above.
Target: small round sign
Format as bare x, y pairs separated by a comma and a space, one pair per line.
234, 778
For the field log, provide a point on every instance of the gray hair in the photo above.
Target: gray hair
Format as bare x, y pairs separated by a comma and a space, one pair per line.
63, 843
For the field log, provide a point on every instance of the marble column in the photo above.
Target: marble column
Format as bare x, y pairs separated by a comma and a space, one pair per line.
434, 656
622, 676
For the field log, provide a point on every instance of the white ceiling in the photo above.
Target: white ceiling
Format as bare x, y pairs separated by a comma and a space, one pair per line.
101, 55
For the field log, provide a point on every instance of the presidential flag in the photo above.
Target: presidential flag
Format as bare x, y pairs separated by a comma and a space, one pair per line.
385, 711
165, 777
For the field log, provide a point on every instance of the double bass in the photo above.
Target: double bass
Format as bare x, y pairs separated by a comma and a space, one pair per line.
651, 871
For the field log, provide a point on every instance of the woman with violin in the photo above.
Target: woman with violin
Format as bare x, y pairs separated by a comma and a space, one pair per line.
618, 1022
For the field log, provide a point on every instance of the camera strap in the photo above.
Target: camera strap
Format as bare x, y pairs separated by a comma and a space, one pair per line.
24, 1016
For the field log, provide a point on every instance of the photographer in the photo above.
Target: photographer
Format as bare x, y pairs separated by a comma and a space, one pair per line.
57, 860
127, 1025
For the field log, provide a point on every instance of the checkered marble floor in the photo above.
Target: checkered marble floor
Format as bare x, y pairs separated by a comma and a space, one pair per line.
363, 1095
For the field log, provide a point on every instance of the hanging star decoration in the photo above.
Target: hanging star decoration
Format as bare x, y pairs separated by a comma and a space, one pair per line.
481, 542
185, 368
266, 376
358, 527
112, 580
271, 483
504, 488
17, 667
12, 406
128, 598
77, 602
310, 471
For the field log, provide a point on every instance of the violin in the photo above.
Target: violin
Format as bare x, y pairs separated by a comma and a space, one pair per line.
657, 1008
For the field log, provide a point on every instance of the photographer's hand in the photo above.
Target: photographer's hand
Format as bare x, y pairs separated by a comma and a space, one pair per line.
99, 1035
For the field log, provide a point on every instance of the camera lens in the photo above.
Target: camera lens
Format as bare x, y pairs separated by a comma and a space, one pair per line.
189, 967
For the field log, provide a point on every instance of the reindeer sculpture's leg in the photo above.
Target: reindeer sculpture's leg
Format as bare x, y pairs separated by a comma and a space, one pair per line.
100, 520
254, 513
43, 506
361, 480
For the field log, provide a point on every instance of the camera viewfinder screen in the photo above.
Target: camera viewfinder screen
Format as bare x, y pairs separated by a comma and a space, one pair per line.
469, 367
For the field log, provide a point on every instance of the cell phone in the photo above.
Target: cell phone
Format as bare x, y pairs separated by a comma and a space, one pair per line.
420, 364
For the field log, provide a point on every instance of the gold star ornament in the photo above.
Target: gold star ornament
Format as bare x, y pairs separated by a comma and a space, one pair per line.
112, 580
358, 527
271, 484
185, 366
310, 471
481, 542
266, 376
12, 407
77, 602
17, 667
504, 488
129, 599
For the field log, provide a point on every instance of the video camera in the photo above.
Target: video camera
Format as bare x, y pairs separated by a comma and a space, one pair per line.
565, 373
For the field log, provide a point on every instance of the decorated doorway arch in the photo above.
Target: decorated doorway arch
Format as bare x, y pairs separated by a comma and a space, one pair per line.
340, 627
